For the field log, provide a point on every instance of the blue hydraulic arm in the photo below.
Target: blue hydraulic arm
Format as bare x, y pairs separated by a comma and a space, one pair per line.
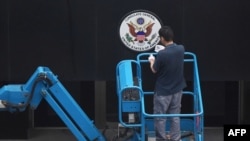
43, 84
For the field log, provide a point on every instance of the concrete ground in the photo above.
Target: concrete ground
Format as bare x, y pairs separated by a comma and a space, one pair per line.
63, 134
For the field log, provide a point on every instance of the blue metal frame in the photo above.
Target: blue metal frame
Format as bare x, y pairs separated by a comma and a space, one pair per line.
193, 122
44, 84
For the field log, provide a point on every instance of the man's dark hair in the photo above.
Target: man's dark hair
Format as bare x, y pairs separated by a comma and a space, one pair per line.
167, 33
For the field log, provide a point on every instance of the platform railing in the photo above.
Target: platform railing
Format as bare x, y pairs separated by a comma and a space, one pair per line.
193, 122
198, 115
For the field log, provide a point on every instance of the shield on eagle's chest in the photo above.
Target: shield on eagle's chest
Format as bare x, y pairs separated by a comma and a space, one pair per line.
140, 36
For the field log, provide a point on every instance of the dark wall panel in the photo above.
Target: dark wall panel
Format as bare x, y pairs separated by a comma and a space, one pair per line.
4, 35
79, 40
38, 34
218, 32
83, 25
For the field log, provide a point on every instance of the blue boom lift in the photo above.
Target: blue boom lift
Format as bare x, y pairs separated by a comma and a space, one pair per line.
43, 84
132, 105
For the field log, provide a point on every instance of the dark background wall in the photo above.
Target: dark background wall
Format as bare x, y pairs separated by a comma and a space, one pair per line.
78, 40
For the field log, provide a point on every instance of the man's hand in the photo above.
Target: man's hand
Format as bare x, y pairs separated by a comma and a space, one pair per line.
151, 58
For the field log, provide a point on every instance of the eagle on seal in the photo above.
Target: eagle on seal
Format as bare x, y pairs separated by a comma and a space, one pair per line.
140, 33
